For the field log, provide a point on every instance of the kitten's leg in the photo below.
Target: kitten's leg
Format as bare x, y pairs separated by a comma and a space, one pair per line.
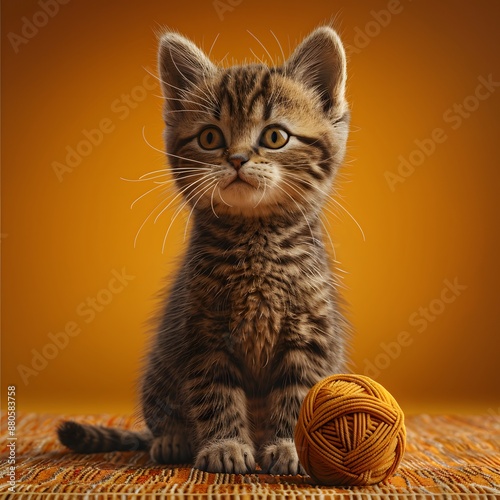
293, 378
278, 455
218, 407
172, 443
173, 446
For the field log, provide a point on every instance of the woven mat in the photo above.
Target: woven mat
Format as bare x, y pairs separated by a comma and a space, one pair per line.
447, 457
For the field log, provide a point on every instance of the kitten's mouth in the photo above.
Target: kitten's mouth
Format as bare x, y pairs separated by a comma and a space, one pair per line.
241, 179
237, 182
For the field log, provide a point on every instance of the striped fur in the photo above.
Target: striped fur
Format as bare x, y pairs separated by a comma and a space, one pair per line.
253, 319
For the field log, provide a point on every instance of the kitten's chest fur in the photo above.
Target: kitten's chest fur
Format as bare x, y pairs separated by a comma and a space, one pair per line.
258, 305
246, 278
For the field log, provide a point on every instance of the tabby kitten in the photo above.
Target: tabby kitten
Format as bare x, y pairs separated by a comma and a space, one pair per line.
252, 320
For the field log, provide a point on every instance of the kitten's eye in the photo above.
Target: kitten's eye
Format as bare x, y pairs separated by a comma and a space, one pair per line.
211, 138
274, 138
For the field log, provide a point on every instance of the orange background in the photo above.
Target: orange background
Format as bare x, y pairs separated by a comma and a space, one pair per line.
61, 240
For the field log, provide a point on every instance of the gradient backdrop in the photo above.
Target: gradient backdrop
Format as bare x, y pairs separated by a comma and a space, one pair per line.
421, 178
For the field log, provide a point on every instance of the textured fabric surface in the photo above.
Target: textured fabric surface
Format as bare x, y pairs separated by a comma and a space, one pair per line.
446, 457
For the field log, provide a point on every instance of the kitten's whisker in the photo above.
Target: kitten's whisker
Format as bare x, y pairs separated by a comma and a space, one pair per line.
346, 211
142, 180
164, 200
222, 60
292, 175
204, 106
156, 77
329, 239
180, 192
148, 143
196, 203
174, 217
174, 180
314, 240
331, 198
146, 193
330, 211
176, 213
212, 199
166, 174
209, 88
314, 186
263, 193
191, 160
263, 46
222, 199
301, 193
193, 173
260, 60
164, 170
195, 168
296, 188
146, 219
212, 46
279, 45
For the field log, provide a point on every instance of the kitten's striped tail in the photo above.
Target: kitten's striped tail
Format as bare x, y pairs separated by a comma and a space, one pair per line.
84, 438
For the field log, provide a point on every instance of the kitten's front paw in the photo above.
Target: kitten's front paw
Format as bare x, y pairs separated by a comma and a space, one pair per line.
226, 455
280, 457
171, 449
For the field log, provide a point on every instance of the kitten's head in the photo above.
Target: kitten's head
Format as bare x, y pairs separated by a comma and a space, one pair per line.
255, 140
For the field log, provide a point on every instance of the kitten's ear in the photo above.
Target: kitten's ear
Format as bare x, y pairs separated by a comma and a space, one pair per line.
181, 65
320, 62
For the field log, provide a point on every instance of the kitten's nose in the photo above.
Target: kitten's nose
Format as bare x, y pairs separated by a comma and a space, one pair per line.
238, 160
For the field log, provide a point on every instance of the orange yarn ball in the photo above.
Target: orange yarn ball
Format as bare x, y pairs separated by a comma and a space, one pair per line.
350, 432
